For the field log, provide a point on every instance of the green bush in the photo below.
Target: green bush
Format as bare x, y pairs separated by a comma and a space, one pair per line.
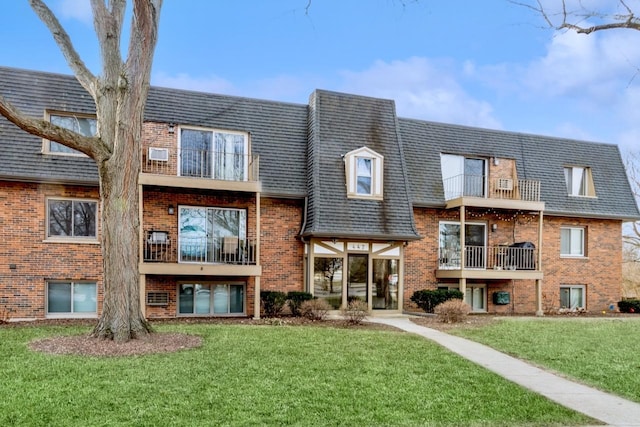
428, 299
272, 302
295, 300
452, 311
355, 312
315, 309
629, 305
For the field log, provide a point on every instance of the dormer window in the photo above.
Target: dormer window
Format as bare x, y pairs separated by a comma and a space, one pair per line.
363, 168
579, 181
83, 124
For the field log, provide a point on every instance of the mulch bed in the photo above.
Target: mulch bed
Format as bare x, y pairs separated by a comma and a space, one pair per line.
159, 342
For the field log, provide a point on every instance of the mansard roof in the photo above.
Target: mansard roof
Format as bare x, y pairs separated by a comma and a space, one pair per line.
300, 148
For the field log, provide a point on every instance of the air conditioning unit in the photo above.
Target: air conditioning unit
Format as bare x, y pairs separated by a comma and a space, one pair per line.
158, 154
505, 184
157, 298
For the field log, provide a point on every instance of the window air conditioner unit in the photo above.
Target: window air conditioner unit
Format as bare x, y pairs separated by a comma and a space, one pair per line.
505, 184
157, 298
159, 154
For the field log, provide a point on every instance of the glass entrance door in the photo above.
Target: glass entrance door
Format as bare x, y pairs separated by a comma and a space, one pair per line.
357, 278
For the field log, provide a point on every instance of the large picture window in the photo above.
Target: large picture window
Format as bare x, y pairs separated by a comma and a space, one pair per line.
572, 241
70, 218
84, 125
211, 299
214, 154
210, 235
66, 299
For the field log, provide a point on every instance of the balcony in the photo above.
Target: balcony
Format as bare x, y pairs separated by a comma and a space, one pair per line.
500, 193
228, 255
202, 169
489, 262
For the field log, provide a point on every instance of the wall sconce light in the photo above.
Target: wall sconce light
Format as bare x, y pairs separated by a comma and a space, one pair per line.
496, 161
171, 210
494, 227
172, 128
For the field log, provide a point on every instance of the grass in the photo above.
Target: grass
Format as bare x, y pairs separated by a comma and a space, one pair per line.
600, 352
264, 375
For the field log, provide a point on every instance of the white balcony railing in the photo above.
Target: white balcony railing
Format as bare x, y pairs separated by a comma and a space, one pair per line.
499, 188
489, 257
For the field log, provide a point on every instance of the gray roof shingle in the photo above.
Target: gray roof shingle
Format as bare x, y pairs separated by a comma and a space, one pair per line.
300, 148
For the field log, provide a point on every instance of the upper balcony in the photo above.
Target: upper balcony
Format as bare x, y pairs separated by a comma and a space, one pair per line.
202, 169
498, 193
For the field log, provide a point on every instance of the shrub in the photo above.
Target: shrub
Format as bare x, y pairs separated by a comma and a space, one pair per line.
629, 305
272, 302
355, 312
315, 309
295, 300
428, 299
452, 311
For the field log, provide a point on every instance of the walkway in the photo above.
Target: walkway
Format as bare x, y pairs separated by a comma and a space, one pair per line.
601, 406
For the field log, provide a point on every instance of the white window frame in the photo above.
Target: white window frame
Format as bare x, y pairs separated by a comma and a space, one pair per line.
570, 288
75, 239
574, 252
246, 147
579, 181
46, 143
352, 173
72, 313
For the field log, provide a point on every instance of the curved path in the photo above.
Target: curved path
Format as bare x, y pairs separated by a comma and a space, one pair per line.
605, 407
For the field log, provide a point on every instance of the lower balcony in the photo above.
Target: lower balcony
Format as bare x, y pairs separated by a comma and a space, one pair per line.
227, 256
518, 261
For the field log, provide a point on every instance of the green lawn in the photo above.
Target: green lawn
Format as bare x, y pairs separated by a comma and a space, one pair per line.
601, 352
263, 375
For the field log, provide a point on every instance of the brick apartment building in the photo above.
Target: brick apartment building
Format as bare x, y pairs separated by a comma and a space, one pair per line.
340, 198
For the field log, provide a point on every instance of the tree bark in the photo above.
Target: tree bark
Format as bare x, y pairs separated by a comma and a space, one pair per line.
120, 95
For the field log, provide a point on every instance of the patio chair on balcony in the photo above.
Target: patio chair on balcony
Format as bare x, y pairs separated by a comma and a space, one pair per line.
230, 246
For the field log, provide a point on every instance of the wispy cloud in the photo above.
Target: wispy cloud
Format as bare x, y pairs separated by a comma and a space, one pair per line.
422, 88
76, 9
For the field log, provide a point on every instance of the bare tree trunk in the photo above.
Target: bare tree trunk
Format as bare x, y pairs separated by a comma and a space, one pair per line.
122, 318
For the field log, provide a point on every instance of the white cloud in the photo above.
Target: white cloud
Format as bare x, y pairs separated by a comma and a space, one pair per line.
76, 9
422, 88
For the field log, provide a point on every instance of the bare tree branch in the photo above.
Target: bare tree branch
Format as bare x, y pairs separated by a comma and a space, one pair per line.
84, 76
91, 146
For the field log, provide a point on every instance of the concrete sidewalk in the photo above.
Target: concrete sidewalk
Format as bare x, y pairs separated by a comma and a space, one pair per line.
599, 405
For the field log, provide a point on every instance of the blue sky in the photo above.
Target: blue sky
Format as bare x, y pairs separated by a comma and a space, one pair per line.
484, 63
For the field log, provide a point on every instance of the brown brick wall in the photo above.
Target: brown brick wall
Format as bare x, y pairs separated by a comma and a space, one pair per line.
281, 251
600, 271
22, 236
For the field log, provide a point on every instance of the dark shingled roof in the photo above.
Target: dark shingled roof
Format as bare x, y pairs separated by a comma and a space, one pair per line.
340, 123
537, 157
300, 150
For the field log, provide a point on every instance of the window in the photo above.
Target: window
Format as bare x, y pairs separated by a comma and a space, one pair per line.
579, 181
450, 245
82, 124
75, 299
72, 218
463, 176
572, 297
572, 241
476, 297
363, 168
210, 235
211, 299
214, 154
